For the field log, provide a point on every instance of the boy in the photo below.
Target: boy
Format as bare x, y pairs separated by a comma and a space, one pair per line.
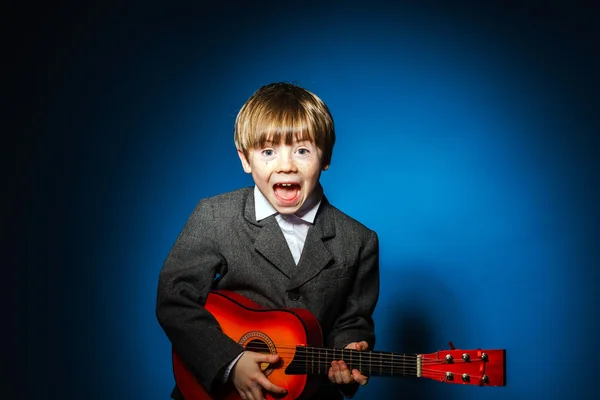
280, 244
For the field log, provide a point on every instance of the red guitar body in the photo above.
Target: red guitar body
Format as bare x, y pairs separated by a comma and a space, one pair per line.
295, 334
245, 321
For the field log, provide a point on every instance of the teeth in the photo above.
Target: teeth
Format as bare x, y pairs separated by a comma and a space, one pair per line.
285, 184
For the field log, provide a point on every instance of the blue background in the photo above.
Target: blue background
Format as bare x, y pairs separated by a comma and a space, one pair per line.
467, 138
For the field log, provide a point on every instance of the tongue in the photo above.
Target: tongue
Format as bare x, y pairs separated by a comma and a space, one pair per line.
286, 192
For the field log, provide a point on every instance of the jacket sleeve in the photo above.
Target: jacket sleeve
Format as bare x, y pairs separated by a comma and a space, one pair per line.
355, 322
184, 282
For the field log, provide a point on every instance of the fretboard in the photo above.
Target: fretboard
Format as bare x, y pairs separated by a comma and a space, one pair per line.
316, 360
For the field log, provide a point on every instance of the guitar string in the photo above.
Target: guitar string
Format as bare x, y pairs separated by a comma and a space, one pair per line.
373, 365
294, 348
374, 368
386, 370
425, 372
382, 366
314, 352
356, 360
382, 370
378, 371
344, 354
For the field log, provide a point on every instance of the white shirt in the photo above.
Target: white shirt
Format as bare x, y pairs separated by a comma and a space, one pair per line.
294, 228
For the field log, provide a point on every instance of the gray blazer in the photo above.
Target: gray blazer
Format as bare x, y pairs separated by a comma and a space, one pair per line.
337, 277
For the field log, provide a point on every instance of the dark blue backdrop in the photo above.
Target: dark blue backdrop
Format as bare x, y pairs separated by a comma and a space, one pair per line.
467, 138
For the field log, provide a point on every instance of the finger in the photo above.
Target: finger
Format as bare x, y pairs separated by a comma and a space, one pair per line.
334, 372
266, 358
351, 346
359, 378
346, 374
256, 393
248, 395
270, 358
361, 346
259, 357
331, 375
270, 386
341, 373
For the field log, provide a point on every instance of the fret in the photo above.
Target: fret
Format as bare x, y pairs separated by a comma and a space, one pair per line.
334, 355
370, 363
380, 363
348, 358
312, 357
360, 361
319, 361
305, 351
403, 364
392, 364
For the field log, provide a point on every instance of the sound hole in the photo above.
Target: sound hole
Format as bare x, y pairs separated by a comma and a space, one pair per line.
258, 342
258, 346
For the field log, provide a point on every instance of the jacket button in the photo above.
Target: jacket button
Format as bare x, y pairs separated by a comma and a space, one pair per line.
293, 295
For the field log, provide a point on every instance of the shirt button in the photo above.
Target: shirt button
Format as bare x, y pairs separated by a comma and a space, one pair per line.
293, 295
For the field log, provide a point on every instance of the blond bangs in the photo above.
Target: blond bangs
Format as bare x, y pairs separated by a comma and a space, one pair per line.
271, 128
271, 118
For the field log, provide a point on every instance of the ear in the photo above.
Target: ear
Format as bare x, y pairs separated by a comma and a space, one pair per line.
245, 163
325, 161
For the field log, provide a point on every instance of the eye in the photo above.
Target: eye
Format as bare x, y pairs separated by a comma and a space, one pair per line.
303, 151
267, 152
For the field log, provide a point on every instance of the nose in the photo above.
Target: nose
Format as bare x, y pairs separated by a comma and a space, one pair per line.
286, 163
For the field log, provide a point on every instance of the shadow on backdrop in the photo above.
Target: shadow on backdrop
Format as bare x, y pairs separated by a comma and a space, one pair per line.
411, 323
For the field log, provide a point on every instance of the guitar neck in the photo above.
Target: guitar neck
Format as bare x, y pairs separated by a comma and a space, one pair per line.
316, 360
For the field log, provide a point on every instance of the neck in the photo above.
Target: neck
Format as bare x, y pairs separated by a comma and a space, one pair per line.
315, 360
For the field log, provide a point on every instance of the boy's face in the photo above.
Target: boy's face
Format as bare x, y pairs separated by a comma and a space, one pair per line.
285, 174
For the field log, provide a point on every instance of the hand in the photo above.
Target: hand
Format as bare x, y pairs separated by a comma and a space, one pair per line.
248, 379
340, 373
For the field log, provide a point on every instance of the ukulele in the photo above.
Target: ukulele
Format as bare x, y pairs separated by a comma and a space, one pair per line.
295, 335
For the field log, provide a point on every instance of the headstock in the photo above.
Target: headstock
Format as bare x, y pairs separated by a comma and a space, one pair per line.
468, 367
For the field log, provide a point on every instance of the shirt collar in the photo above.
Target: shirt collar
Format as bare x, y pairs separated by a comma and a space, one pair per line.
308, 212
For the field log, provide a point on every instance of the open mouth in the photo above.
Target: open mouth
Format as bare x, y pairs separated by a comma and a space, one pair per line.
287, 192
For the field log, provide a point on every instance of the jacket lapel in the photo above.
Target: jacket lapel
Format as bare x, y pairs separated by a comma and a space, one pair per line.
270, 241
315, 255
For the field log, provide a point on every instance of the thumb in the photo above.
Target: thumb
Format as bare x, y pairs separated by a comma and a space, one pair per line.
362, 346
270, 358
262, 357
